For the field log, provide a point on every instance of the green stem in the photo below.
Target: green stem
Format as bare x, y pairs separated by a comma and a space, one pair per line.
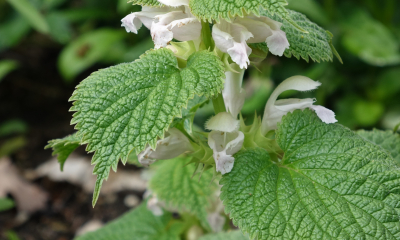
206, 35
218, 103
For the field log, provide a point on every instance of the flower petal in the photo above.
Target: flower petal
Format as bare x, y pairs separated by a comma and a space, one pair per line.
223, 122
224, 163
223, 40
325, 114
131, 23
259, 29
233, 93
172, 146
161, 35
277, 43
175, 3
240, 53
185, 29
234, 145
216, 221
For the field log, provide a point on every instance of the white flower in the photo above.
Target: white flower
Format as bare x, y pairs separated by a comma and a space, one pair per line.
165, 23
153, 203
174, 144
225, 140
232, 38
276, 109
233, 92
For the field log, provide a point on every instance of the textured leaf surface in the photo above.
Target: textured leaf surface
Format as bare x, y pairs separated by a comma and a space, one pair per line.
139, 223
126, 107
173, 184
316, 44
330, 184
214, 9
151, 3
233, 235
63, 147
386, 139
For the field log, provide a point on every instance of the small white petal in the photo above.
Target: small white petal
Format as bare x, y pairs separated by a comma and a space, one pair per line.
325, 114
224, 163
185, 29
224, 145
161, 35
240, 53
233, 93
277, 43
274, 110
223, 122
175, 3
291, 104
131, 23
172, 146
223, 40
259, 29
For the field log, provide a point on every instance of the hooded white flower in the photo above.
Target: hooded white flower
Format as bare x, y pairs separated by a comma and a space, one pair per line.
174, 144
233, 92
276, 109
165, 23
225, 139
232, 38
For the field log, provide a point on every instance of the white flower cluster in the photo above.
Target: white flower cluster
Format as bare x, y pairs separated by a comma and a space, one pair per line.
176, 21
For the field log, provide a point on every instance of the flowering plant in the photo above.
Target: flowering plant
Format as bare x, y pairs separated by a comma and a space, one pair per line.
293, 173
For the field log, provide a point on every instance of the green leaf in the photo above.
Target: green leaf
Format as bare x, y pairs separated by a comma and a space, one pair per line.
370, 40
63, 147
86, 50
316, 44
12, 127
126, 107
188, 113
330, 184
388, 140
12, 31
6, 204
173, 184
214, 9
7, 66
139, 223
12, 145
233, 235
151, 3
34, 17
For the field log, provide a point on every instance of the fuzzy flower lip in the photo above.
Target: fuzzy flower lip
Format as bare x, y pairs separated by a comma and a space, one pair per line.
276, 109
232, 37
175, 3
174, 144
165, 23
225, 140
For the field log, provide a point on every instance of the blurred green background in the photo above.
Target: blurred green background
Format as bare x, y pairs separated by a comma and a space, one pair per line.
48, 46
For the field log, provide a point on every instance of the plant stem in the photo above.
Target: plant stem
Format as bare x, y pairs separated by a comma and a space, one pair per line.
218, 103
206, 35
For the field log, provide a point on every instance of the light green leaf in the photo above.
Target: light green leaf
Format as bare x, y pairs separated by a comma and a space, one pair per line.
12, 145
388, 140
7, 66
370, 40
34, 17
60, 28
174, 185
311, 8
139, 223
151, 3
63, 147
367, 113
316, 44
330, 184
214, 9
87, 50
233, 235
126, 107
6, 204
